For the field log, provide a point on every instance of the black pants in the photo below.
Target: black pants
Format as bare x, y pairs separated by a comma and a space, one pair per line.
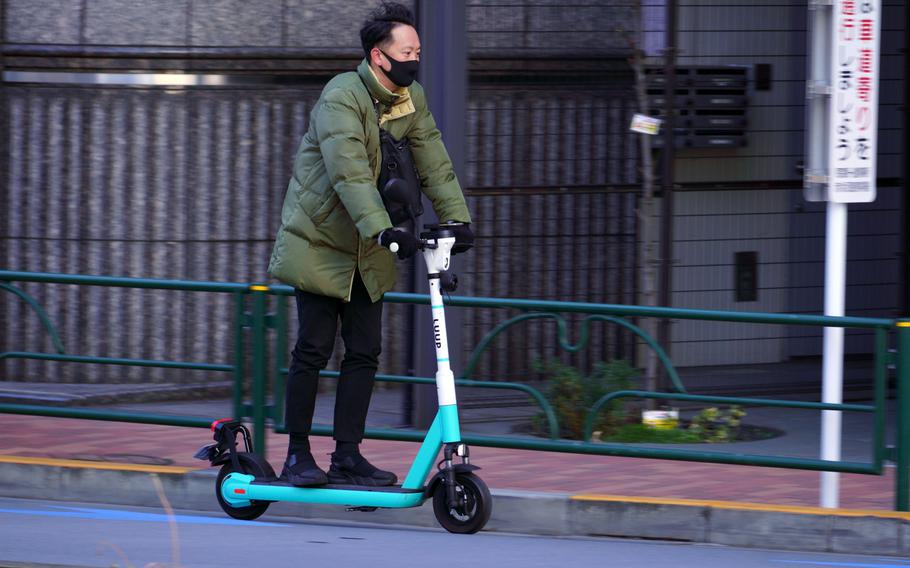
360, 329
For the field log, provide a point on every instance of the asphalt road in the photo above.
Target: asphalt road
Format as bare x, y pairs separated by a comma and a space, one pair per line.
56, 533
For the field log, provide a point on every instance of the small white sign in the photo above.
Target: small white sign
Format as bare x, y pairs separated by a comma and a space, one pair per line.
660, 419
853, 109
645, 124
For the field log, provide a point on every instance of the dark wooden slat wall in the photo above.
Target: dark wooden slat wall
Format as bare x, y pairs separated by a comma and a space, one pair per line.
188, 183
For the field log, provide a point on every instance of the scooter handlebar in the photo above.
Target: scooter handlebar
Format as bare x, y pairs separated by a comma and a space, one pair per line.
394, 247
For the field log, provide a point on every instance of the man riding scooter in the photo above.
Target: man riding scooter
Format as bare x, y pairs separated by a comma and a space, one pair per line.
336, 238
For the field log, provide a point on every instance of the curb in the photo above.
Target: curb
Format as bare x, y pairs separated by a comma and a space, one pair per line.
56, 395
554, 514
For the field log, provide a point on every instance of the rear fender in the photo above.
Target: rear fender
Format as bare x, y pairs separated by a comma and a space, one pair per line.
225, 447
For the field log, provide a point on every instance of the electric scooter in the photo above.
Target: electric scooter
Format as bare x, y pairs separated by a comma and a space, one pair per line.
462, 503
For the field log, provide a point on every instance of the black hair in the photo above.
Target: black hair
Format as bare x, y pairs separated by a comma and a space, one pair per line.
377, 29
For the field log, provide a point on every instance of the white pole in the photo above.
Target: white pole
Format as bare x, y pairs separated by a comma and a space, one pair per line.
833, 357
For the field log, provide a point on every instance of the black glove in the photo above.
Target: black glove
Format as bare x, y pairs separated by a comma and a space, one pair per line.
464, 237
407, 243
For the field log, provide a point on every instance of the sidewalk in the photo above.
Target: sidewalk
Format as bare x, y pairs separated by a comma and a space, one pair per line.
546, 492
64, 438
72, 439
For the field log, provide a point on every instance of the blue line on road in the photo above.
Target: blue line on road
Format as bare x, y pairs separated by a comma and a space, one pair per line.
110, 515
845, 564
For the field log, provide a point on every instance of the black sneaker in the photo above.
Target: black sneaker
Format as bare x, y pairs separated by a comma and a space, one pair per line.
354, 469
301, 471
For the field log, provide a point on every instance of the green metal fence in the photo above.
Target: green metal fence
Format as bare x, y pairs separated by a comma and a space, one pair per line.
268, 327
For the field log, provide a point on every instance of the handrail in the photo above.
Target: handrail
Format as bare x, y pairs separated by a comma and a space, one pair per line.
115, 361
671, 313
123, 282
259, 321
42, 315
477, 440
566, 346
624, 310
547, 408
609, 397
475, 302
622, 450
106, 415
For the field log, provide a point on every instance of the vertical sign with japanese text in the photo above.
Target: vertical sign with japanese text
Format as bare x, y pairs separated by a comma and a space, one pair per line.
853, 110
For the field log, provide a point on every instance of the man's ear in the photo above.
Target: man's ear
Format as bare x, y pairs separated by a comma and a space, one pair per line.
376, 56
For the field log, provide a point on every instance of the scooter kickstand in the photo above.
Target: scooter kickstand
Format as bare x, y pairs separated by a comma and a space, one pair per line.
362, 509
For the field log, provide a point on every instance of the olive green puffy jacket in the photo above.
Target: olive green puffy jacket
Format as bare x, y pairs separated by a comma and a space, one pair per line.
332, 211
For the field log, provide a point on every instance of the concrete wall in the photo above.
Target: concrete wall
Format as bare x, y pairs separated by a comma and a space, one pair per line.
709, 228
506, 27
548, 27
197, 23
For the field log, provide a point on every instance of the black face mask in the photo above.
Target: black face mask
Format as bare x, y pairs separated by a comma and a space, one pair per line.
402, 73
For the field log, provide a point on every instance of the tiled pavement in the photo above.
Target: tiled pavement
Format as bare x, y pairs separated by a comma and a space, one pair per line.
65, 438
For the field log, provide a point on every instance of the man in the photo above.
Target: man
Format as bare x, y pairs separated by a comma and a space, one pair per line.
333, 244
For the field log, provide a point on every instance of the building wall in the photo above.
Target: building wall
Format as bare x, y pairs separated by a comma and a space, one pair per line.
873, 267
187, 182
550, 149
513, 28
736, 214
709, 228
193, 23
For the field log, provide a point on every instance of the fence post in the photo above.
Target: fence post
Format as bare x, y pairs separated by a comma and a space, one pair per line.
902, 475
881, 394
239, 360
279, 360
260, 361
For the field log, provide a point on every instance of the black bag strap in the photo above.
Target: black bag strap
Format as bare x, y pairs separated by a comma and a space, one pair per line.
397, 153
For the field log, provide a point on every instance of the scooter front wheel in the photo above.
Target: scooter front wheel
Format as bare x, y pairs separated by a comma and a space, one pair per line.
473, 507
250, 464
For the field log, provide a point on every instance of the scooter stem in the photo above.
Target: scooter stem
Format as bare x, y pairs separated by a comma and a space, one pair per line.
437, 260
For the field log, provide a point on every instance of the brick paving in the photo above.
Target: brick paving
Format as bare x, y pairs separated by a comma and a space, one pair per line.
64, 438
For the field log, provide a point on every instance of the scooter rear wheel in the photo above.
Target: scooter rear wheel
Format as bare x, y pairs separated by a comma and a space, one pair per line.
250, 464
474, 507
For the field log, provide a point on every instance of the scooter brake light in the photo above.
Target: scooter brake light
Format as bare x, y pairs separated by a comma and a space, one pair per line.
220, 421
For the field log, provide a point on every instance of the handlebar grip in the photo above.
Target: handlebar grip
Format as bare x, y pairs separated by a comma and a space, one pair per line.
393, 247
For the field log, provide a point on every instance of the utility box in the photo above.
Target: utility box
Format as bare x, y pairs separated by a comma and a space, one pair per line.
710, 105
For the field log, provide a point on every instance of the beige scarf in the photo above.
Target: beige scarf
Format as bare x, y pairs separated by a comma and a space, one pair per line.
402, 106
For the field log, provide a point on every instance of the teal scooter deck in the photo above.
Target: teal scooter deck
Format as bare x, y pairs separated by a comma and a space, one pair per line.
240, 489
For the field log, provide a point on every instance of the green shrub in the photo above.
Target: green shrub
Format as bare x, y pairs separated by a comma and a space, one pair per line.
716, 425
711, 425
572, 395
638, 433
